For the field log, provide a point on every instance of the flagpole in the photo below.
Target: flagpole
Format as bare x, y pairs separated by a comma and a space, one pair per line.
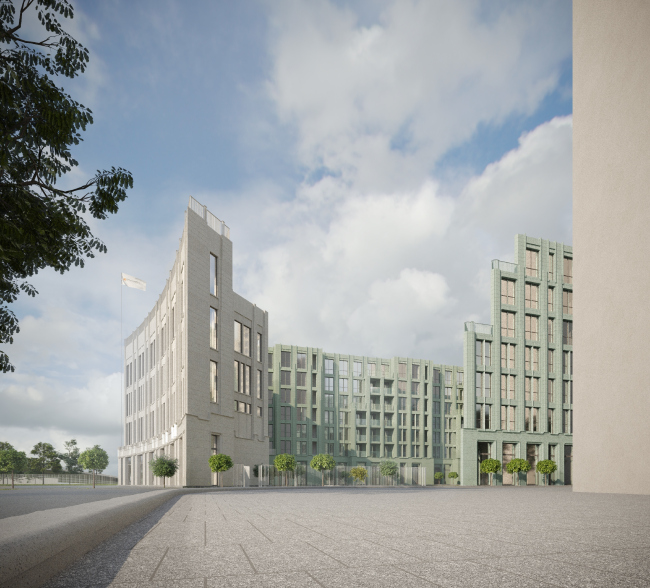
122, 375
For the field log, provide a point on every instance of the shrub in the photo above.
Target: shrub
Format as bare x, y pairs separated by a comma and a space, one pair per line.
546, 467
517, 465
438, 476
220, 462
388, 469
359, 473
453, 475
322, 462
490, 466
285, 462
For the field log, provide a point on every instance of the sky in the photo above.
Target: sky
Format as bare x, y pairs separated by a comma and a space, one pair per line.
371, 158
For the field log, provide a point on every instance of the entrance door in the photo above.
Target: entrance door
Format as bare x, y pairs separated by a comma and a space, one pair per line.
568, 460
508, 454
483, 453
532, 454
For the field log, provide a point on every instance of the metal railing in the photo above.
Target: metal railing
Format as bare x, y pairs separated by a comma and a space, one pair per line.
504, 266
339, 476
84, 479
217, 225
479, 328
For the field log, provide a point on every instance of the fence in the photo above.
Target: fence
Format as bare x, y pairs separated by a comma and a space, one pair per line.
85, 479
339, 476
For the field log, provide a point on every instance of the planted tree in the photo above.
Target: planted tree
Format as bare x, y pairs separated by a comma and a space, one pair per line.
490, 466
12, 461
359, 473
285, 462
438, 476
71, 457
219, 463
164, 467
546, 467
388, 469
46, 458
452, 475
322, 462
41, 224
95, 460
517, 465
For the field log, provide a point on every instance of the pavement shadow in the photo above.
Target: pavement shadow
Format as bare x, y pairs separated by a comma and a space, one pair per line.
99, 567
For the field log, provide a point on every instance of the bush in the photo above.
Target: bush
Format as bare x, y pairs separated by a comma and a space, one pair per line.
359, 473
490, 466
438, 476
388, 469
546, 467
285, 462
453, 475
517, 465
164, 467
220, 463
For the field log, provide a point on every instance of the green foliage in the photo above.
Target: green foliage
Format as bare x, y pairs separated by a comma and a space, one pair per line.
94, 459
42, 225
220, 462
46, 458
12, 461
164, 467
452, 475
256, 471
322, 462
517, 465
5, 445
71, 458
285, 462
546, 467
359, 473
490, 466
438, 476
388, 468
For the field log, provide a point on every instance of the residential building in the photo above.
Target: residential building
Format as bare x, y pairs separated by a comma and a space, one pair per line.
363, 410
611, 215
194, 369
519, 369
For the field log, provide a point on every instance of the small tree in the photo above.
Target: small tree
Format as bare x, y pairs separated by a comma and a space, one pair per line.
46, 457
490, 466
220, 463
438, 476
12, 461
322, 462
94, 459
164, 467
388, 469
285, 462
546, 467
359, 473
452, 475
517, 465
71, 457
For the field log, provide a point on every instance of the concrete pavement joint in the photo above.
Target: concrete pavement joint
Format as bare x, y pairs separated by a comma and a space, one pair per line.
161, 560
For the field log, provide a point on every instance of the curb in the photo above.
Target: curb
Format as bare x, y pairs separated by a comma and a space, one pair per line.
37, 546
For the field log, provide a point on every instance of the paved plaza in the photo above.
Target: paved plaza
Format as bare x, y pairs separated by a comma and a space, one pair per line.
332, 537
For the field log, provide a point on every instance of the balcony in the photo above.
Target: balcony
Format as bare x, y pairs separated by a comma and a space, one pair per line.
375, 438
388, 423
504, 266
375, 422
374, 453
389, 407
375, 406
375, 390
389, 391
478, 328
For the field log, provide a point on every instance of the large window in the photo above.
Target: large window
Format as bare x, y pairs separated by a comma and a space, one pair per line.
301, 379
508, 356
238, 336
551, 267
213, 382
285, 359
329, 366
401, 372
259, 383
285, 378
483, 355
532, 327
550, 328
507, 386
550, 391
507, 420
482, 416
549, 425
483, 384
532, 419
550, 299
259, 346
301, 361
532, 358
507, 324
246, 341
532, 263
213, 328
507, 292
567, 302
568, 270
213, 275
343, 367
415, 371
567, 332
329, 384
567, 363
532, 296
357, 369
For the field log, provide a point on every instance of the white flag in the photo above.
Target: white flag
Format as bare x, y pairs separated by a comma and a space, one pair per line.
132, 282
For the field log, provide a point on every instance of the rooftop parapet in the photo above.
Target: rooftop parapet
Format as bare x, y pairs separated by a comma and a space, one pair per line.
479, 328
217, 225
504, 266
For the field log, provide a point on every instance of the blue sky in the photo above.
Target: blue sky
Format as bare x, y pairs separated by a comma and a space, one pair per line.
371, 158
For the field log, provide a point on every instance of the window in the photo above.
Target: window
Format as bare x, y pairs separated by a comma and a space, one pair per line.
329, 384
436, 391
372, 369
532, 263
385, 370
532, 296
532, 419
259, 346
285, 446
482, 416
483, 385
270, 381
459, 378
549, 356
285, 378
356, 387
508, 356
483, 356
401, 387
343, 385
343, 367
448, 390
436, 407
401, 403
301, 396
301, 413
237, 377
301, 361
448, 377
285, 359
532, 327
447, 407
415, 387
238, 327
532, 359
567, 302
550, 330
551, 267
549, 424
508, 418
567, 332
270, 359
567, 422
415, 404
328, 400
568, 270
550, 299
213, 275
507, 292
507, 386
285, 413
567, 392
285, 395
401, 370
549, 390
507, 324
415, 371
357, 369
213, 382
259, 383
567, 363
213, 328
246, 341
301, 379
329, 366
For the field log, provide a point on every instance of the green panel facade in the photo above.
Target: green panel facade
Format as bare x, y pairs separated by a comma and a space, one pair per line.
363, 410
519, 370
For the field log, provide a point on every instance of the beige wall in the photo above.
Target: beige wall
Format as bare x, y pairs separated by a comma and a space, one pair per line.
611, 232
